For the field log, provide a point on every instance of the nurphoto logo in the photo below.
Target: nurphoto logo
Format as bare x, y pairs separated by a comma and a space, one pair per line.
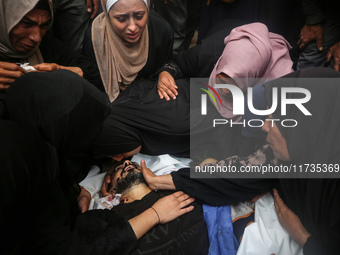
238, 102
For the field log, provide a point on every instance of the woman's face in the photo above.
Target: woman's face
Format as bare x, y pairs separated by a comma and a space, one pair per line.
276, 140
30, 30
128, 18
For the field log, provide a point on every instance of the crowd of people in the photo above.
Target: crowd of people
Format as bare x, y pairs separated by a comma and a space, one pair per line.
96, 82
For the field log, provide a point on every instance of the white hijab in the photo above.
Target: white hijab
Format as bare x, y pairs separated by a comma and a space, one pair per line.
117, 63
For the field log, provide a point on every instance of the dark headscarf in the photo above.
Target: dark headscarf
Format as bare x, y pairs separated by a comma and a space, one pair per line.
65, 109
315, 139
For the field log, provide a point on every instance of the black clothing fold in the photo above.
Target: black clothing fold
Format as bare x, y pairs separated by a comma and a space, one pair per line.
139, 117
66, 110
314, 140
57, 115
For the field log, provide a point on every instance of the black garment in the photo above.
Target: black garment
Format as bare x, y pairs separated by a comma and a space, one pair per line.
68, 113
56, 51
28, 168
199, 61
314, 140
221, 190
283, 17
160, 51
34, 216
185, 235
317, 11
183, 16
139, 117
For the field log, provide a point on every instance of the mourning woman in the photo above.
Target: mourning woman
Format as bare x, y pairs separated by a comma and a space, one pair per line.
307, 205
251, 56
311, 213
45, 152
25, 38
129, 42
68, 113
140, 121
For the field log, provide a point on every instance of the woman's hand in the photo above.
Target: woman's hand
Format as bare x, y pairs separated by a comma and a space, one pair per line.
92, 7
166, 86
9, 72
334, 52
172, 206
84, 200
164, 210
106, 185
49, 67
290, 221
162, 182
309, 34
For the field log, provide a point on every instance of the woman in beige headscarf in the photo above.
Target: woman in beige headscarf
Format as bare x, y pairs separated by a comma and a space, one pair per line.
124, 45
23, 24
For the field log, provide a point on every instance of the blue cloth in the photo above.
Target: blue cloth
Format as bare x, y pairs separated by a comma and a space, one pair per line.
220, 230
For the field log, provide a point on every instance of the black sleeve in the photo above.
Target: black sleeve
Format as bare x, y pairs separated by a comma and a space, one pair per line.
313, 11
88, 51
199, 61
161, 41
171, 67
222, 191
217, 192
102, 232
314, 247
55, 51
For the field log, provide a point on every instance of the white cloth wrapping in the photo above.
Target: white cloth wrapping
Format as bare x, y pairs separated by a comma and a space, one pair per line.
163, 164
266, 235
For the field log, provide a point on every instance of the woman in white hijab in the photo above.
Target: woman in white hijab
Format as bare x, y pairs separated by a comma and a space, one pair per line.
124, 45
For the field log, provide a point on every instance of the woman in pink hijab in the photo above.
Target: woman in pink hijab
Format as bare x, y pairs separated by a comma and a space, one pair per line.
252, 55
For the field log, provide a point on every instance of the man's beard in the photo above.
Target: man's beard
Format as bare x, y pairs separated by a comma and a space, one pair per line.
132, 178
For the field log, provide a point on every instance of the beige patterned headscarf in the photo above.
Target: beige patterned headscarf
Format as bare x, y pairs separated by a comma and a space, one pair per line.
117, 63
11, 12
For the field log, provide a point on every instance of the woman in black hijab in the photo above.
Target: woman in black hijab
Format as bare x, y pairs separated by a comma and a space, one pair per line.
34, 218
67, 111
315, 140
141, 122
58, 115
313, 219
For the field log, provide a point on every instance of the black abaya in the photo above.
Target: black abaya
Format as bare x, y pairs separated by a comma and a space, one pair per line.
139, 117
314, 140
68, 113
58, 114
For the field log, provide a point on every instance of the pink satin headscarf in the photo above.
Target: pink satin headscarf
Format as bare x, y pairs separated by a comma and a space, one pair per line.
254, 54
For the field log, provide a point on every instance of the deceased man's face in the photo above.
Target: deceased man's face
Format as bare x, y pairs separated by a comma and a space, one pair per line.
126, 175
